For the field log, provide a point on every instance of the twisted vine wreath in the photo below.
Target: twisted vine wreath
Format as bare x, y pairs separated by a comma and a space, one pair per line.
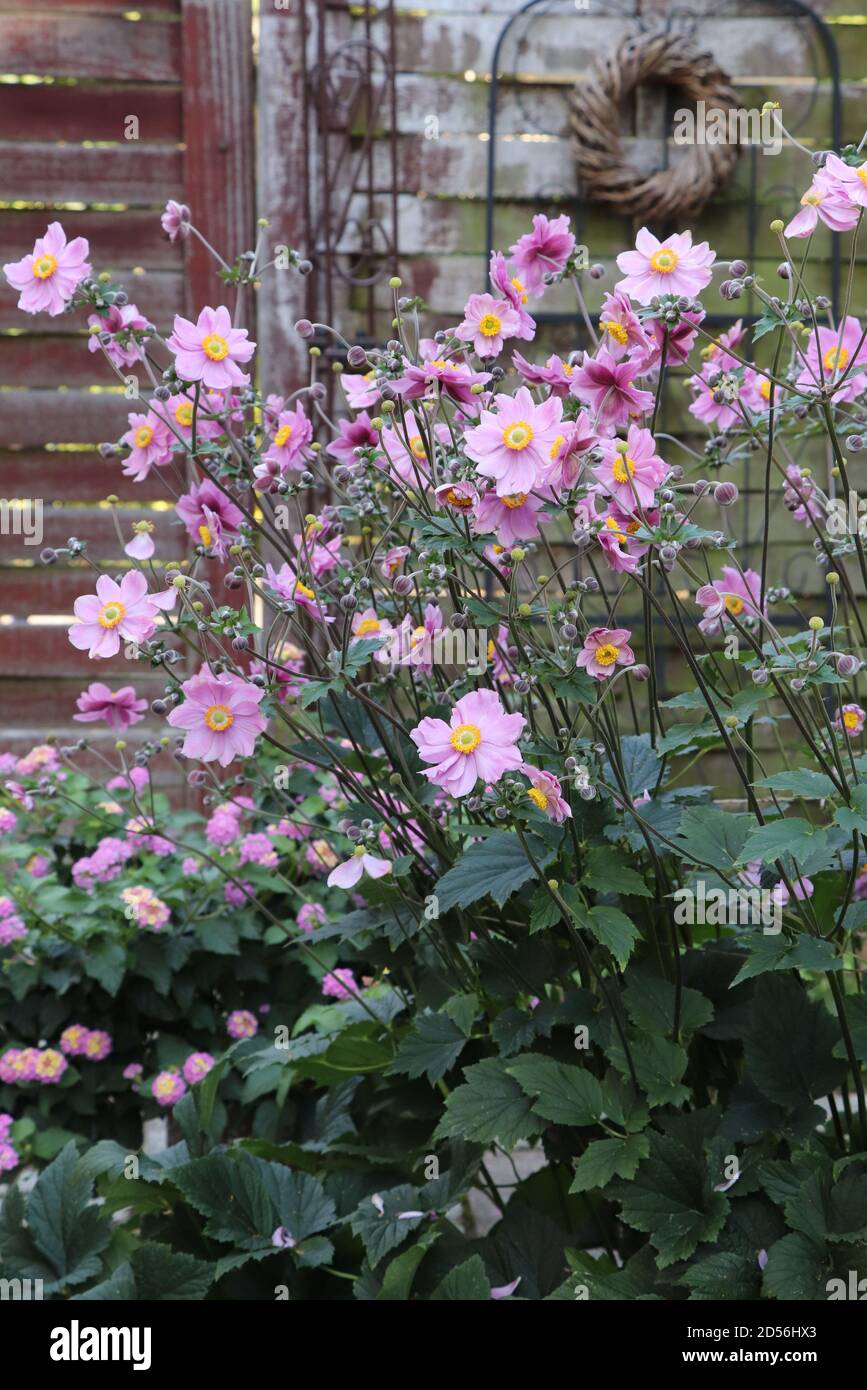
661, 57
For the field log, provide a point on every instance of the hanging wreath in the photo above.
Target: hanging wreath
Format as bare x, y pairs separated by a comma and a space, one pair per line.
664, 58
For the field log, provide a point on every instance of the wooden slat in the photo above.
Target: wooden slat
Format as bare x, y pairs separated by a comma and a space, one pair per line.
62, 417
138, 174
218, 131
81, 45
54, 589
74, 476
46, 112
93, 525
159, 295
31, 649
60, 362
116, 238
50, 705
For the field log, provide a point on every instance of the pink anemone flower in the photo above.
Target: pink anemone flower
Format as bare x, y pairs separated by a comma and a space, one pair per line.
511, 519
150, 445
46, 279
480, 740
543, 251
125, 610
118, 708
210, 349
352, 870
842, 351
606, 386
850, 720
221, 717
511, 288
210, 517
513, 444
604, 649
631, 469
673, 266
733, 594
487, 322
547, 794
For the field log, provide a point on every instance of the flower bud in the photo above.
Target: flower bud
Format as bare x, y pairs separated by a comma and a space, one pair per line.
403, 585
816, 624
848, 665
777, 225
356, 356
726, 494
304, 328
639, 672
596, 271
738, 269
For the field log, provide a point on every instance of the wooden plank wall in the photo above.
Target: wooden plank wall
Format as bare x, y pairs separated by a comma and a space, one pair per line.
71, 73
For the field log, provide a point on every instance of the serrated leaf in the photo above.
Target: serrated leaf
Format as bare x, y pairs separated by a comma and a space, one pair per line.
726, 1275
431, 1049
805, 782
490, 1105
567, 1095
671, 1199
605, 872
788, 1049
495, 867
466, 1283
778, 838
777, 952
607, 1159
162, 1274
611, 928
650, 1003
708, 835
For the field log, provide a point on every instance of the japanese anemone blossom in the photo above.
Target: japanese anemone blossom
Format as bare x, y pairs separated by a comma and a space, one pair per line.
705, 407
350, 872
631, 469
824, 200
353, 434
513, 443
847, 180
840, 350
46, 279
544, 250
547, 794
150, 445
175, 220
220, 715
604, 649
511, 519
210, 349
125, 610
800, 496
673, 266
733, 594
556, 374
568, 451
412, 465
119, 708
480, 740
454, 379
487, 322
360, 390
287, 585
606, 386
510, 288
620, 327
210, 517
289, 446
850, 720
114, 321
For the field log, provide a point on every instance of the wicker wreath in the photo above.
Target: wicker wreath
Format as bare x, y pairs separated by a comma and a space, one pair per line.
662, 57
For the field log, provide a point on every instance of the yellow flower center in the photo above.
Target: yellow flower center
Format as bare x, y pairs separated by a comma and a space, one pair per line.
143, 436
416, 447
851, 719
765, 390
607, 654
513, 500
516, 284
811, 199
219, 718
184, 413
664, 260
835, 359
303, 589
110, 614
463, 504
283, 435
615, 331
613, 526
622, 468
215, 347
734, 604
205, 535
555, 447
517, 435
465, 738
538, 798
45, 266
862, 173
489, 325
368, 626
